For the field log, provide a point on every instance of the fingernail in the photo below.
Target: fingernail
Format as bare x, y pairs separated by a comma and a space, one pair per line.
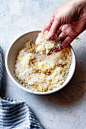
36, 44
42, 32
47, 36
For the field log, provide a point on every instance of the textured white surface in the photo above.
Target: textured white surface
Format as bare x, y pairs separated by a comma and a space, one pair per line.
65, 109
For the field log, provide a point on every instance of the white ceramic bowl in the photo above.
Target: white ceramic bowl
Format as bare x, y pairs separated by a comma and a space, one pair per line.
11, 57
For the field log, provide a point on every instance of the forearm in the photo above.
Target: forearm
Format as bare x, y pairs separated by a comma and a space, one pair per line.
80, 6
79, 3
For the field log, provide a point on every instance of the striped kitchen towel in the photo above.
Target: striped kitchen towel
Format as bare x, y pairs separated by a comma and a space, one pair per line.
15, 114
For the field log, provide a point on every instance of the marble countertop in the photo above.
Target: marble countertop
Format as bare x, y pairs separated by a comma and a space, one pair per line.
65, 109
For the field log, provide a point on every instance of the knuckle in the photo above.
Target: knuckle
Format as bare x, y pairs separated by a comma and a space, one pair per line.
51, 32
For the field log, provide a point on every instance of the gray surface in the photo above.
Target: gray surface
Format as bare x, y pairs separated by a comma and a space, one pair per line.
65, 109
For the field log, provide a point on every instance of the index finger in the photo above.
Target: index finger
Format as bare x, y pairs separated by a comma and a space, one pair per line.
48, 24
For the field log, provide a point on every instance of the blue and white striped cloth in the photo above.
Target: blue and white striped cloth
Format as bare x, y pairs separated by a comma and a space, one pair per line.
15, 114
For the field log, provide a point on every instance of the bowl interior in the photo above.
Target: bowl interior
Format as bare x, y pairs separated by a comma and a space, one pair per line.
11, 57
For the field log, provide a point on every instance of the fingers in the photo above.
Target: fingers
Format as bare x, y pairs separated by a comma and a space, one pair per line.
57, 50
52, 26
48, 25
53, 29
64, 44
62, 36
58, 32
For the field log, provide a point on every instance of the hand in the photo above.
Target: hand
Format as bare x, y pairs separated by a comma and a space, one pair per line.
67, 22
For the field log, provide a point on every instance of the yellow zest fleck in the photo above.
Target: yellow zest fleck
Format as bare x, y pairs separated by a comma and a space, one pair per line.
23, 57
77, 37
36, 64
41, 75
40, 89
44, 65
66, 73
28, 41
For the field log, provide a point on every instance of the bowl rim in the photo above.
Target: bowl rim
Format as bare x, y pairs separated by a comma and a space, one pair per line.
26, 89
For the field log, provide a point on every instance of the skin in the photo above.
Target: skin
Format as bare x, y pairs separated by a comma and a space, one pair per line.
67, 22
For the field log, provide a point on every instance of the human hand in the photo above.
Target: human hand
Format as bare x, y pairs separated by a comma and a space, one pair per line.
67, 22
